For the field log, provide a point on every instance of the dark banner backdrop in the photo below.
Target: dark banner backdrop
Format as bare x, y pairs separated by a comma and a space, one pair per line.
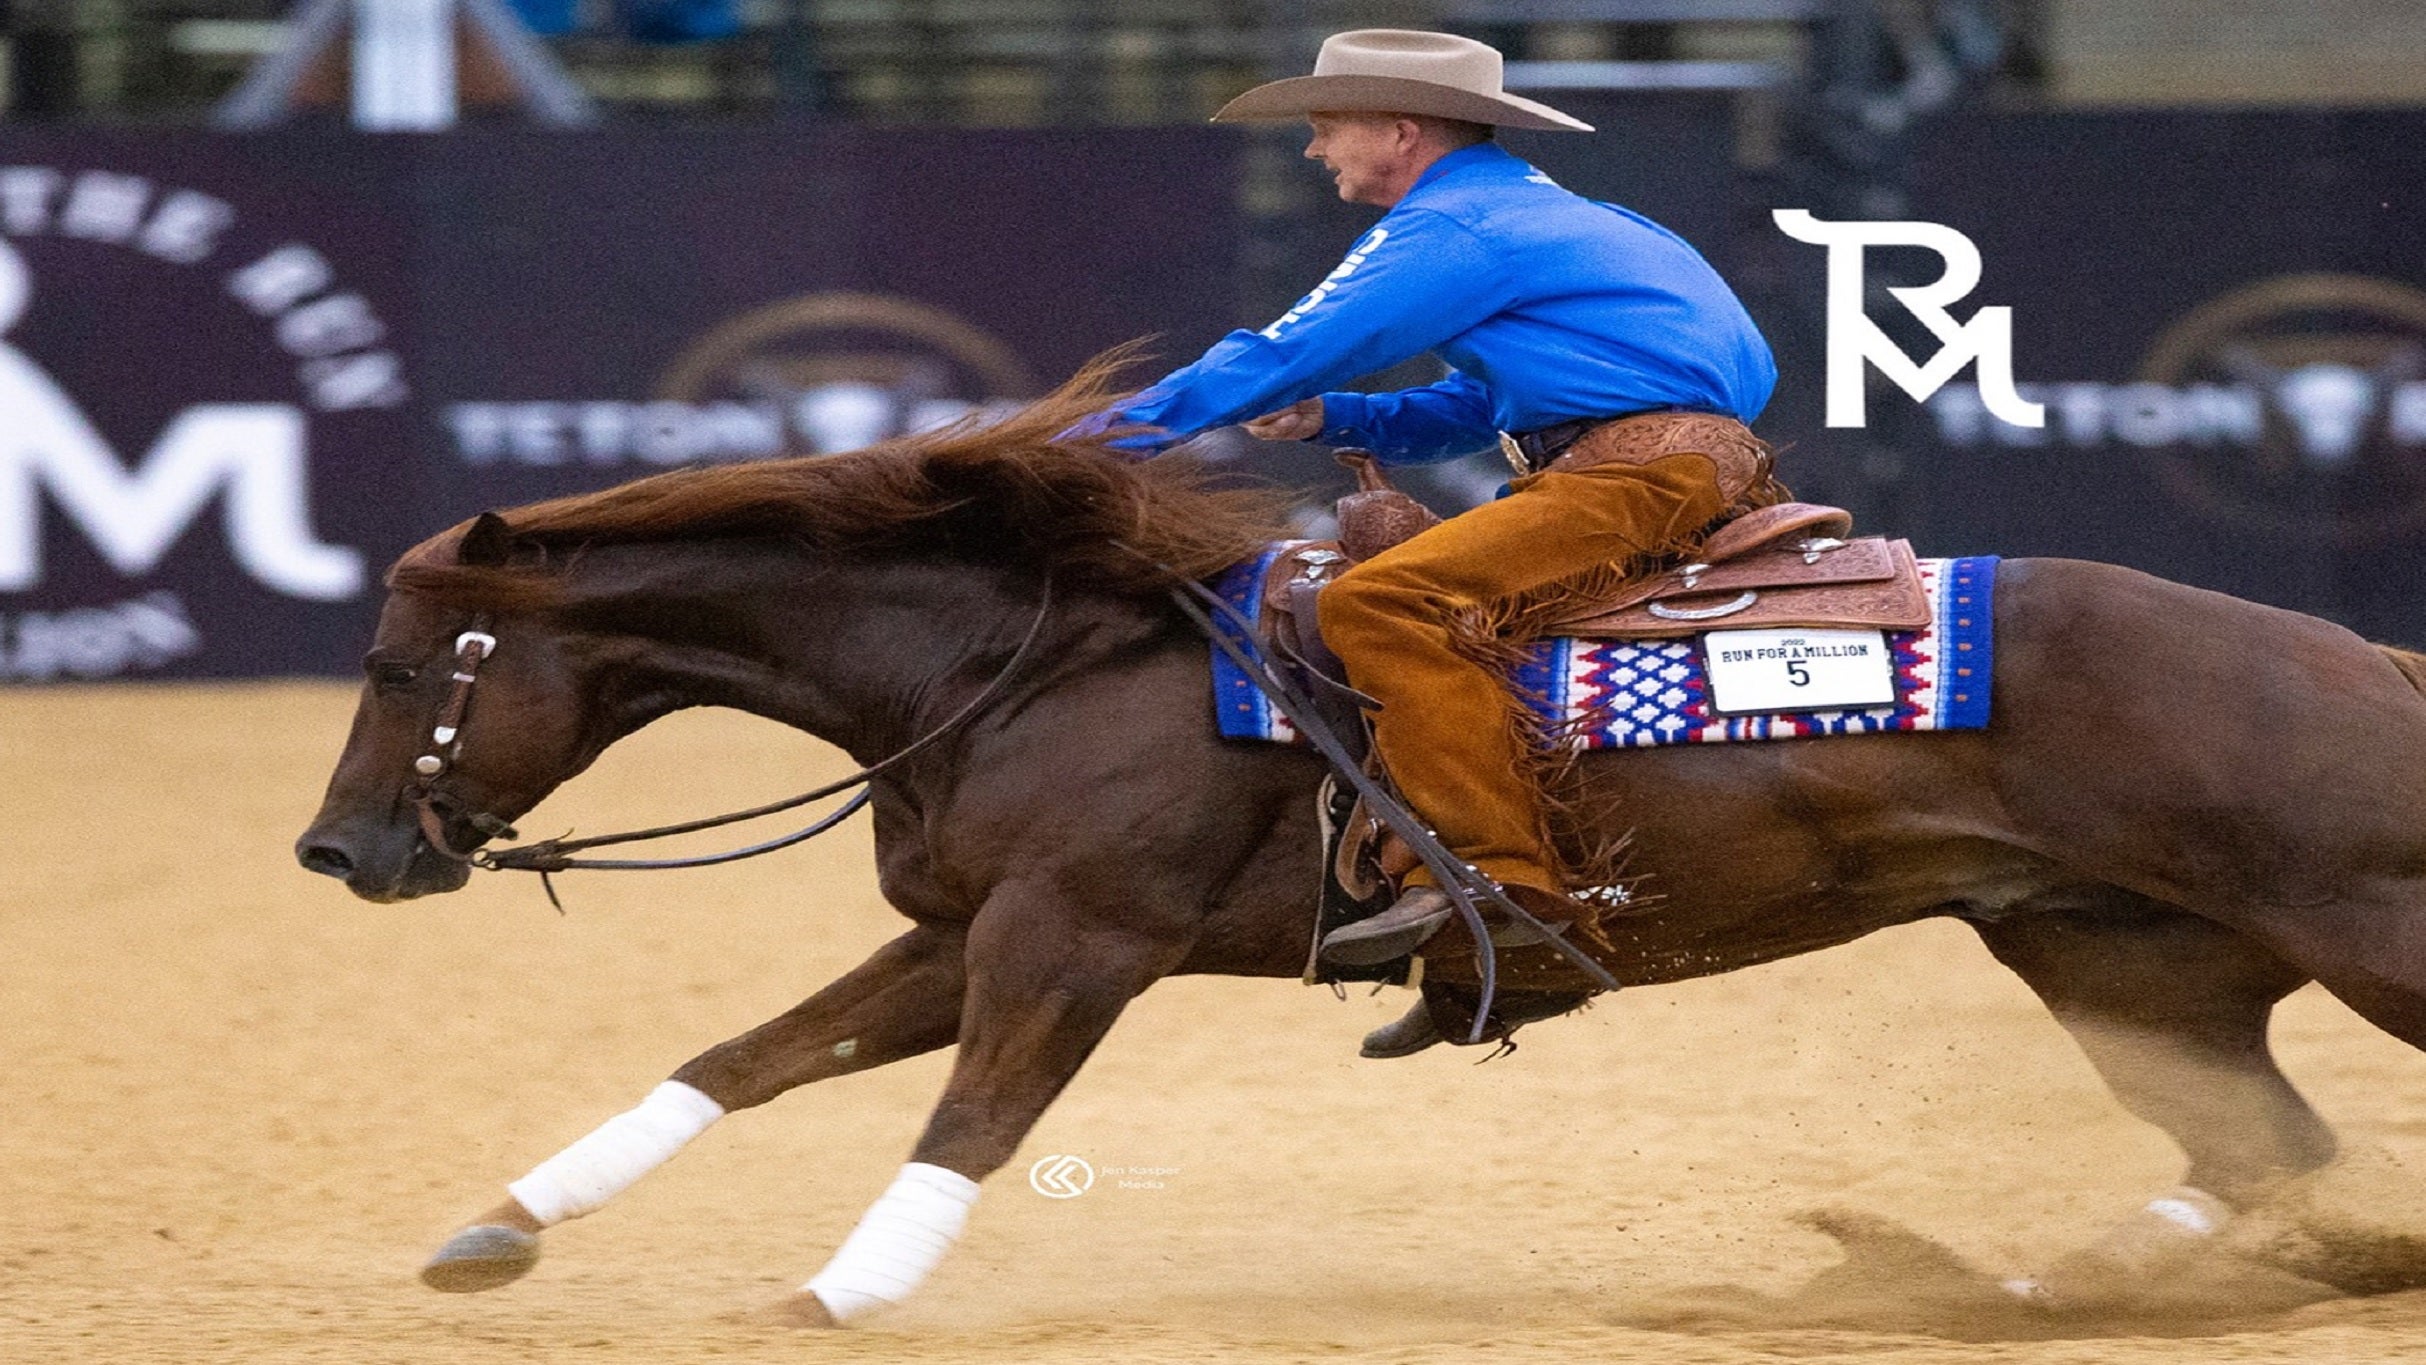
207, 394
2226, 316
606, 307
238, 375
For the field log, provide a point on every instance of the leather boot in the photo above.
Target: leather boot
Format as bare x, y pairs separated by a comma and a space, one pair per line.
1448, 1015
1404, 1036
1392, 934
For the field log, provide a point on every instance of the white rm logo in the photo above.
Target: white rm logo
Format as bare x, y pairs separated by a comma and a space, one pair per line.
1854, 340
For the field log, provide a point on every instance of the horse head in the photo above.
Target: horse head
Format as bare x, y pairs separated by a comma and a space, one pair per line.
467, 719
829, 593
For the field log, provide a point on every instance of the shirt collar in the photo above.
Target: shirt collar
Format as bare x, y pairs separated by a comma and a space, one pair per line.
1480, 154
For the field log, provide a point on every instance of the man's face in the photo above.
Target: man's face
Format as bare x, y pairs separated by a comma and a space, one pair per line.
1371, 156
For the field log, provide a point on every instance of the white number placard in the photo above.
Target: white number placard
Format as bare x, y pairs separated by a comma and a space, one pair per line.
1798, 670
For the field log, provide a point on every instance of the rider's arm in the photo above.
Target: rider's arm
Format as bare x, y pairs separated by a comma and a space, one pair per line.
1416, 280
1413, 426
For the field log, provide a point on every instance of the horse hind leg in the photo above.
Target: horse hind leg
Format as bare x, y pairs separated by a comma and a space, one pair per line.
2360, 1226
2368, 948
2172, 1010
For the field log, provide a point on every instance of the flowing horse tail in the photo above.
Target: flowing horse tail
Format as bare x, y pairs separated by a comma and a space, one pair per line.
2411, 663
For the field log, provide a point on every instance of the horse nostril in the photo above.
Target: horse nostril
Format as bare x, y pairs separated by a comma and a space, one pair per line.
327, 861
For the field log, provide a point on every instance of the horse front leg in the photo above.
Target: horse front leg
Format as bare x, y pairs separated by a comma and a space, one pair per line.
903, 1001
1046, 982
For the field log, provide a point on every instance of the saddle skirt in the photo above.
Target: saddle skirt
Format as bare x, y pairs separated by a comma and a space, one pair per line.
1633, 671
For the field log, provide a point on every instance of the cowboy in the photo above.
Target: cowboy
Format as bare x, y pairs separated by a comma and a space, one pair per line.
1582, 331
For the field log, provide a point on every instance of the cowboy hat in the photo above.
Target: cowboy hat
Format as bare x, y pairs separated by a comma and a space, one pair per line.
1399, 71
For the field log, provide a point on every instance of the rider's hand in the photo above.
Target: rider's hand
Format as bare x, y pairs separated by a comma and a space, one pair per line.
1300, 421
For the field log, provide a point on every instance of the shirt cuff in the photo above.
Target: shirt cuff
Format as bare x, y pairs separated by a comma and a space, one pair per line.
1345, 420
1140, 445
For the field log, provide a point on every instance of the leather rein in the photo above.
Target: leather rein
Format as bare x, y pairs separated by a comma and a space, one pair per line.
477, 645
1223, 625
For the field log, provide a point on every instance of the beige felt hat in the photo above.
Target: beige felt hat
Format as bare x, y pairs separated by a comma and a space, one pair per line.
1399, 71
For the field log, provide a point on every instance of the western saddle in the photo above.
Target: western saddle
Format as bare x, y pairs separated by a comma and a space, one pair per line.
1792, 564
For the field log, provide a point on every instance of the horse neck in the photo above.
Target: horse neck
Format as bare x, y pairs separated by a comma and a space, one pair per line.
865, 655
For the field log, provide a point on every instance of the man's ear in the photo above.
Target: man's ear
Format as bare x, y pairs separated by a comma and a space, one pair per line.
487, 544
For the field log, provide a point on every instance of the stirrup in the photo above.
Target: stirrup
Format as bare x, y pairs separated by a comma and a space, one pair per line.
1411, 920
1525, 935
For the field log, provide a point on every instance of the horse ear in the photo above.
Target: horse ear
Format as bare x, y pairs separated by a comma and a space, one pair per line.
487, 544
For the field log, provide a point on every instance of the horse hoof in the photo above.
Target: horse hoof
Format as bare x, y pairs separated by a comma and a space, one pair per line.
805, 1312
481, 1257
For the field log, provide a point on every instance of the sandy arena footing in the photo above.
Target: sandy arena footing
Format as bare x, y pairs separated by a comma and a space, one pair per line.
241, 1108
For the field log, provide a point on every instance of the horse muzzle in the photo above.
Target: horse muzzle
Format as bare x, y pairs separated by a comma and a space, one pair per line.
389, 865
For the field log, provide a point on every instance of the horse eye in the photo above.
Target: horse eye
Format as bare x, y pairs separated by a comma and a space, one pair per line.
393, 674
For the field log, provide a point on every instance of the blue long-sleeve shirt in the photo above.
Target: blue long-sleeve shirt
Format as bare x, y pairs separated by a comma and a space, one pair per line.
1548, 305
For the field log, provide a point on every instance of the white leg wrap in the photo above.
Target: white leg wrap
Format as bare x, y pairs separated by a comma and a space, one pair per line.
2194, 1211
2165, 1234
583, 1177
898, 1241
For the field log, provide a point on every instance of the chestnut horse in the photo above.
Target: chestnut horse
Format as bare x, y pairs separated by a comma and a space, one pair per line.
2186, 805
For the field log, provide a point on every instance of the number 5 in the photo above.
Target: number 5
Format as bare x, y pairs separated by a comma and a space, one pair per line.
1797, 674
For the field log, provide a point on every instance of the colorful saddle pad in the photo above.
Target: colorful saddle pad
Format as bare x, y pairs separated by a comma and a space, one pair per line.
1609, 694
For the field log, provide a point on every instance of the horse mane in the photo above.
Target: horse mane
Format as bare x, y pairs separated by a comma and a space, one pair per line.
1011, 489
2411, 663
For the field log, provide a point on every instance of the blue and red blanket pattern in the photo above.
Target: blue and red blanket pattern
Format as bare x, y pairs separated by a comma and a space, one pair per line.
1602, 694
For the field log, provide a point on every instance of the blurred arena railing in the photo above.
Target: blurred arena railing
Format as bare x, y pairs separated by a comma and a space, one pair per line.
999, 63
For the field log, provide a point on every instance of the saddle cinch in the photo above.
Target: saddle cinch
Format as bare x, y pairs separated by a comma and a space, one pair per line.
1786, 565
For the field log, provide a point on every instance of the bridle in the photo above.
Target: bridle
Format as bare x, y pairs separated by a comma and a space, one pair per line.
472, 647
477, 645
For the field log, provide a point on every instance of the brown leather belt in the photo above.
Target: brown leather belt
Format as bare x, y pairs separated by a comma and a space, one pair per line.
1530, 452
